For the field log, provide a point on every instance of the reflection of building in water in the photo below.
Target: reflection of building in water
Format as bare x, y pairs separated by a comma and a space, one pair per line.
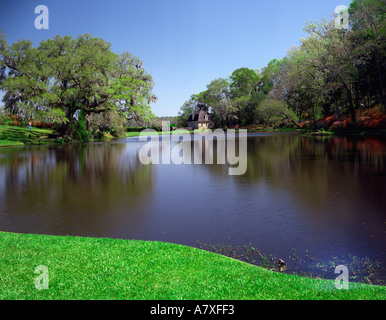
200, 119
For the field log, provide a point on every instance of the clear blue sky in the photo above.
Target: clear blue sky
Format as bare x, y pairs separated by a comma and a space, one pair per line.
184, 44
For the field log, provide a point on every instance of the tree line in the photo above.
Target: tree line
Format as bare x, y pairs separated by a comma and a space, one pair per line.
77, 84
334, 71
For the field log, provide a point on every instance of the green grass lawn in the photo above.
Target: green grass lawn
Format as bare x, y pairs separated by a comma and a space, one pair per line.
19, 136
10, 143
100, 268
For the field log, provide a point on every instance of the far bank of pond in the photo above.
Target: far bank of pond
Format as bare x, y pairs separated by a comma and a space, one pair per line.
14, 136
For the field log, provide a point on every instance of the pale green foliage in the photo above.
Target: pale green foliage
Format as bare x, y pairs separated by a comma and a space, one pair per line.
271, 110
185, 111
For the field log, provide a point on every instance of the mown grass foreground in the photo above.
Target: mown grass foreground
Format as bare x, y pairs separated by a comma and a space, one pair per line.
100, 268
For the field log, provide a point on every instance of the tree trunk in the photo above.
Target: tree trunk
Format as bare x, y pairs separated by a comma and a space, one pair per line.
381, 84
290, 119
336, 107
357, 97
350, 102
65, 129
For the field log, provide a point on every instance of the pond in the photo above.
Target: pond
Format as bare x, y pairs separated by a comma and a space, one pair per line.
323, 195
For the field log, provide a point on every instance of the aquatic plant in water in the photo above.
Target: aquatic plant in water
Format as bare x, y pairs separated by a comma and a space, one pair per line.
364, 270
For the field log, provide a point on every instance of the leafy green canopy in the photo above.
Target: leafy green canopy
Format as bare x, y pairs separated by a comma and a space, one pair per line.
334, 72
63, 76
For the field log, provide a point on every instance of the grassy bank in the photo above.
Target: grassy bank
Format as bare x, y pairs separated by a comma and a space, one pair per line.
11, 136
137, 133
101, 268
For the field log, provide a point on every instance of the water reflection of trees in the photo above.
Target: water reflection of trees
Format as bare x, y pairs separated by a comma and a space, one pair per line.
71, 187
310, 164
336, 180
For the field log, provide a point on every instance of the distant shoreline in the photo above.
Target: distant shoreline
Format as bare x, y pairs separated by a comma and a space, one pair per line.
11, 136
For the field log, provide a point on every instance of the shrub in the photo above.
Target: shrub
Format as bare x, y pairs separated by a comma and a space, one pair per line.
98, 135
78, 130
371, 119
336, 126
117, 131
306, 124
38, 124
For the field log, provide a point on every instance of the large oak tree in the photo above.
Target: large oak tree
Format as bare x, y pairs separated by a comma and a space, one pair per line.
66, 79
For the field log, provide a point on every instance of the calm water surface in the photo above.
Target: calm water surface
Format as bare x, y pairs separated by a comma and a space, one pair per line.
320, 195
